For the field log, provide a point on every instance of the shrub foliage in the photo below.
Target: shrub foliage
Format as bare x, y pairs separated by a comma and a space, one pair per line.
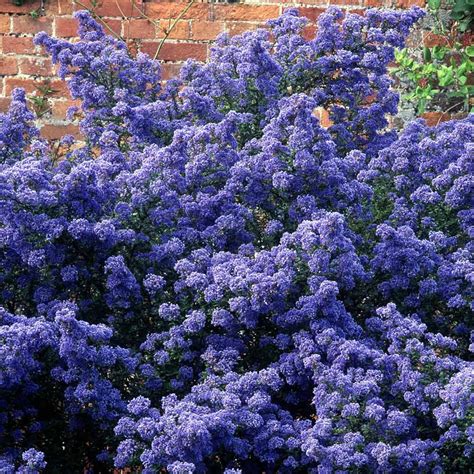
212, 281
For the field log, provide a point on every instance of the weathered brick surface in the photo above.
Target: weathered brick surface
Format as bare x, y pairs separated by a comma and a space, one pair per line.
5, 24
66, 27
32, 66
60, 107
114, 8
206, 30
29, 84
8, 66
7, 6
18, 45
176, 51
139, 28
143, 24
4, 104
311, 13
182, 29
159, 9
53, 131
26, 24
236, 12
238, 27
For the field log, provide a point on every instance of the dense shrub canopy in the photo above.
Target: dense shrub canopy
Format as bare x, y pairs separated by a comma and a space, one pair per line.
212, 281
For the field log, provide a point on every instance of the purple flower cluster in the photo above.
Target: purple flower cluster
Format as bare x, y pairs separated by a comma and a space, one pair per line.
212, 281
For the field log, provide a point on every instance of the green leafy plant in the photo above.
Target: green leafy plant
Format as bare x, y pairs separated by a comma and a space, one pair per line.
40, 101
440, 77
35, 13
463, 13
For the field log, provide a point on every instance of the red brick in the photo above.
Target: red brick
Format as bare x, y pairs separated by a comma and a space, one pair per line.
7, 6
66, 7
29, 25
4, 24
376, 3
115, 25
133, 46
246, 12
435, 118
239, 27
206, 30
159, 10
31, 86
59, 108
8, 66
346, 2
169, 70
431, 39
323, 116
66, 27
60, 89
312, 14
305, 2
115, 8
150, 48
12, 82
181, 30
36, 66
176, 51
56, 131
139, 28
309, 32
409, 3
357, 11
18, 45
4, 104
51, 8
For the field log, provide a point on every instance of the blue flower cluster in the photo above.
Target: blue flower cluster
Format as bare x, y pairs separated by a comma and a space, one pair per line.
212, 281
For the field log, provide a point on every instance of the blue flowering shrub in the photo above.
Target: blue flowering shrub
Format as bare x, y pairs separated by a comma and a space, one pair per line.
211, 281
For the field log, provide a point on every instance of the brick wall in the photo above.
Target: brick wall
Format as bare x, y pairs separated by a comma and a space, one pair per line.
141, 23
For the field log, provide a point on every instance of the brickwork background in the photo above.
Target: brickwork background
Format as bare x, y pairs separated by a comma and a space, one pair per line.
23, 65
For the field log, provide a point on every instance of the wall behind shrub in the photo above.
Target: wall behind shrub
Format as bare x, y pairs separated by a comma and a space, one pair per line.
142, 24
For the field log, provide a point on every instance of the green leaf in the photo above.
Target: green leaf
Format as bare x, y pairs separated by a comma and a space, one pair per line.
434, 4
439, 52
427, 54
421, 106
457, 15
460, 5
470, 51
445, 76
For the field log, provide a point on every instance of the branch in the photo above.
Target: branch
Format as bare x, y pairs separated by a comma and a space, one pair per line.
446, 112
99, 19
170, 29
143, 14
124, 17
121, 11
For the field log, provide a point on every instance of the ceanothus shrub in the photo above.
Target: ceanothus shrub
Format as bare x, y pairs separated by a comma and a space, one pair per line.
212, 281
